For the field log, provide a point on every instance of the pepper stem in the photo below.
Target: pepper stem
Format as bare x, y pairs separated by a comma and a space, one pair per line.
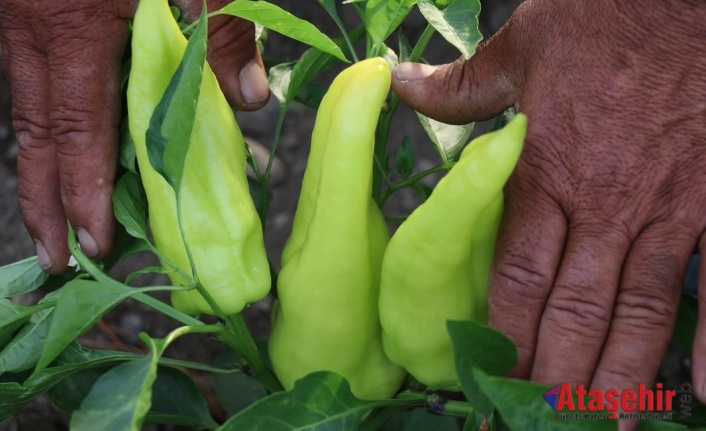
238, 337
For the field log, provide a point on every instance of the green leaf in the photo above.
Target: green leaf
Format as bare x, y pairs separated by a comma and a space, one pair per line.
420, 420
312, 94
120, 398
283, 22
237, 391
169, 132
177, 400
14, 396
74, 358
330, 6
390, 56
449, 139
314, 61
523, 408
279, 79
175, 397
80, 304
260, 38
405, 159
685, 326
423, 190
21, 277
319, 401
405, 47
382, 17
479, 346
127, 154
136, 245
25, 349
256, 192
12, 317
147, 270
68, 394
501, 120
457, 23
130, 205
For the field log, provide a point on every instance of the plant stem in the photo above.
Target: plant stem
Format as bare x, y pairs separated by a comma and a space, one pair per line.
195, 277
347, 38
383, 130
95, 272
435, 403
172, 265
422, 43
457, 408
265, 180
238, 337
199, 329
408, 182
382, 134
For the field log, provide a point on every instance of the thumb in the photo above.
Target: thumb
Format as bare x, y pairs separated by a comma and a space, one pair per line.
465, 90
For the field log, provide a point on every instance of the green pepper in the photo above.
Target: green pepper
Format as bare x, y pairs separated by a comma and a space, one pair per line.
327, 317
221, 225
437, 264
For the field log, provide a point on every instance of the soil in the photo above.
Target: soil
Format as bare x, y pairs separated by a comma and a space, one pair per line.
119, 329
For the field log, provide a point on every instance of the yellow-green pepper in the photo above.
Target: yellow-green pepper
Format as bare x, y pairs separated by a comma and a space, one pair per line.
437, 263
220, 222
327, 316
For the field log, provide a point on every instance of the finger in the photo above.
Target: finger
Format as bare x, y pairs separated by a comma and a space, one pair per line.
38, 176
465, 90
577, 315
698, 354
233, 56
644, 313
528, 251
84, 60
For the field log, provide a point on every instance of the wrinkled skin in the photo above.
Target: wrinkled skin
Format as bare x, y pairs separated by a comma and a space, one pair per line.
608, 201
63, 63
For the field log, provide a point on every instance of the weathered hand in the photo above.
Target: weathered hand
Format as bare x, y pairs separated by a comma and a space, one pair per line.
63, 63
608, 201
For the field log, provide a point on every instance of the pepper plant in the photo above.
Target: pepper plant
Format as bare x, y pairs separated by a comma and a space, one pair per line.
183, 171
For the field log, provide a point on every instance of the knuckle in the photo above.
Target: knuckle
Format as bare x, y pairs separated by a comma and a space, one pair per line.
68, 130
617, 371
610, 233
70, 192
518, 281
574, 311
31, 130
641, 309
28, 203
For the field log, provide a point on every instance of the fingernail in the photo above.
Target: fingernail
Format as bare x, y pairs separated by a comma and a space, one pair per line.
413, 71
88, 245
253, 83
43, 257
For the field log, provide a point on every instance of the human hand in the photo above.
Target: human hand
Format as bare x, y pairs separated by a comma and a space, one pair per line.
63, 63
608, 200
